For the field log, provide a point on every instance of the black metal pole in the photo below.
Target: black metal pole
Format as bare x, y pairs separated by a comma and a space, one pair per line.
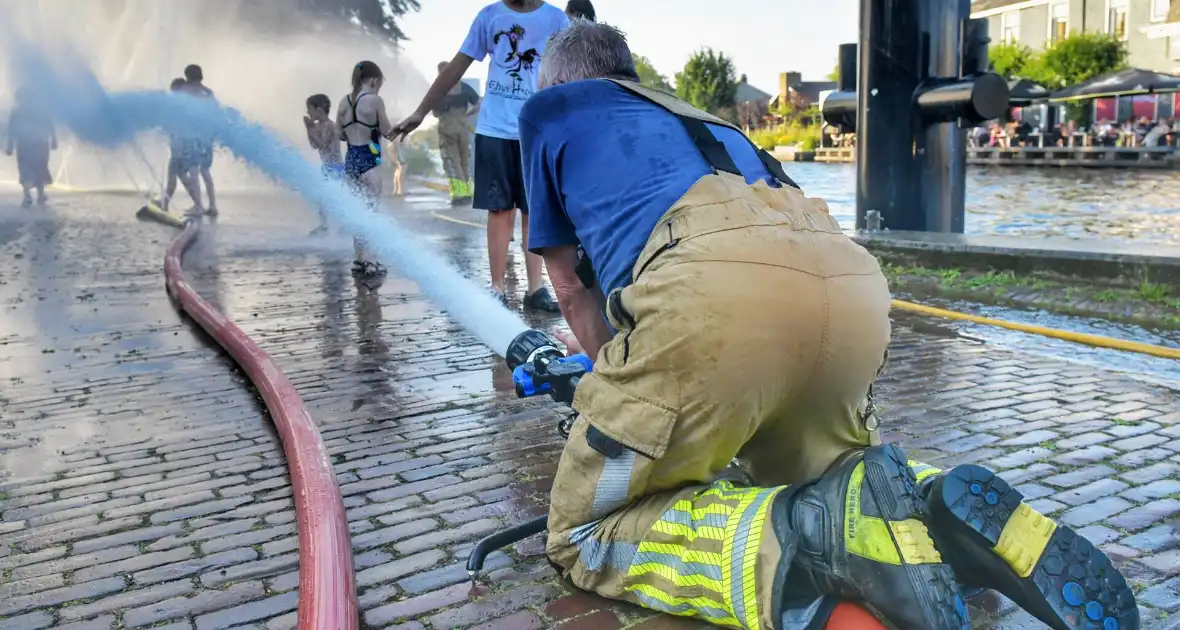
942, 146
886, 119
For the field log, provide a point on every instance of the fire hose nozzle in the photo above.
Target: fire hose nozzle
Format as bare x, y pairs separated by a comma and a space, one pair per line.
538, 367
529, 346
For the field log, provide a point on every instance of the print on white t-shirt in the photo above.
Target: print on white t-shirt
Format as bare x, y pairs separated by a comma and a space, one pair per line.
515, 42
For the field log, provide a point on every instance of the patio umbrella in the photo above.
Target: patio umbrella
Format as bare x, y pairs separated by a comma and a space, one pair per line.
1122, 83
1025, 92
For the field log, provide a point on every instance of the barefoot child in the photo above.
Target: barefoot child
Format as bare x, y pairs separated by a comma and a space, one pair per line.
182, 163
324, 137
31, 136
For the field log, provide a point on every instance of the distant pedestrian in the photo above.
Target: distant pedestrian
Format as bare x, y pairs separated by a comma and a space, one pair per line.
454, 137
31, 136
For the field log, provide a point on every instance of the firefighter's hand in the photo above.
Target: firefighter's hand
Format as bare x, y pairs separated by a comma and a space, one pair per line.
572, 346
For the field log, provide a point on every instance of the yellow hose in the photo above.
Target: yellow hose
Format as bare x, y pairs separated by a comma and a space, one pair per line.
435, 185
443, 217
1083, 338
152, 212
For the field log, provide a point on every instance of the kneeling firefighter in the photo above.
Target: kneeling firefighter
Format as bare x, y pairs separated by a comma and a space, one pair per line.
747, 326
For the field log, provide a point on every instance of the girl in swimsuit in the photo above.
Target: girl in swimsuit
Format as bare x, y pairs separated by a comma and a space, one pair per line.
363, 123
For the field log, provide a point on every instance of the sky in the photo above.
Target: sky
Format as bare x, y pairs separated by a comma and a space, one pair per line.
763, 37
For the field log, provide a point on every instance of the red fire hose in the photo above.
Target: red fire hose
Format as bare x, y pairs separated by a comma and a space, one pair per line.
327, 585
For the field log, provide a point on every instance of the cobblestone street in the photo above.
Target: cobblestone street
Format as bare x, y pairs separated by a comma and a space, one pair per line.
141, 483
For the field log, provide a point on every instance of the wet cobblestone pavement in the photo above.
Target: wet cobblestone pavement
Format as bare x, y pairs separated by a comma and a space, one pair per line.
141, 484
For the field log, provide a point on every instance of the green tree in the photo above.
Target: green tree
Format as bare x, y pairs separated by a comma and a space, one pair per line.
1072, 60
379, 14
1076, 58
648, 75
1010, 59
709, 82
1080, 57
834, 75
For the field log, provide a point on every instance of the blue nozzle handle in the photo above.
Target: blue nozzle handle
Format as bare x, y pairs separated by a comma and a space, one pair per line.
528, 383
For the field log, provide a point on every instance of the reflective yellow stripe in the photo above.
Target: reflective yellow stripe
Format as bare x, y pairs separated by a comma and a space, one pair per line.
670, 574
688, 533
923, 471
725, 490
684, 553
694, 603
700, 513
750, 561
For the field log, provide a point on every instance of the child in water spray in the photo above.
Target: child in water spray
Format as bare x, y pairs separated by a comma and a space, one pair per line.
363, 123
31, 136
324, 137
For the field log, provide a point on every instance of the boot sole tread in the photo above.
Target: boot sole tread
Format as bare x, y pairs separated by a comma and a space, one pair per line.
1055, 574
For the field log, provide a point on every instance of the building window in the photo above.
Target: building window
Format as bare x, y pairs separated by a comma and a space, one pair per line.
1159, 10
1010, 26
1058, 21
1116, 19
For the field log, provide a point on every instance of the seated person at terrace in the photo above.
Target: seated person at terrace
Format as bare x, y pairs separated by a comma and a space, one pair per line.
747, 326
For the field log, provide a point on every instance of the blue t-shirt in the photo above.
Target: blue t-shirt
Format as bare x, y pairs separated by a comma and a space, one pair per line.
602, 165
515, 42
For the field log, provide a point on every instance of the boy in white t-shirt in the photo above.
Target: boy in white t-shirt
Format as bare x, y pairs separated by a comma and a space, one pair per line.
512, 34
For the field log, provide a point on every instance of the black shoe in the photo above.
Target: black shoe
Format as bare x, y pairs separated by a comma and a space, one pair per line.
994, 540
370, 274
861, 539
541, 300
211, 211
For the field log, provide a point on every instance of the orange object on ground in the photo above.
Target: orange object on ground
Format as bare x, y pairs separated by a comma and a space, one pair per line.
849, 616
327, 584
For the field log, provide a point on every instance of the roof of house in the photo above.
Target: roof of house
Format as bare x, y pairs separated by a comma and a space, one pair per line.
984, 5
747, 93
810, 89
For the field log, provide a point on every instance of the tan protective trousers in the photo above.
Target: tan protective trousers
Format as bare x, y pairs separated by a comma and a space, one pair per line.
454, 148
753, 329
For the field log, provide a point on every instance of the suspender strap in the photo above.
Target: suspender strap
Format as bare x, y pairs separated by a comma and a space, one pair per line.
694, 120
710, 147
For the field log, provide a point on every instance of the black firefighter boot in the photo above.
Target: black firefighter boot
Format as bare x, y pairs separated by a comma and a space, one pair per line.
861, 539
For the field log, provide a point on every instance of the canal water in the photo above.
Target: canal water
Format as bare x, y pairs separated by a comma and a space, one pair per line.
1141, 206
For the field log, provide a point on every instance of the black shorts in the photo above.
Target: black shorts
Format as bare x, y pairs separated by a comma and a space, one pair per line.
499, 178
